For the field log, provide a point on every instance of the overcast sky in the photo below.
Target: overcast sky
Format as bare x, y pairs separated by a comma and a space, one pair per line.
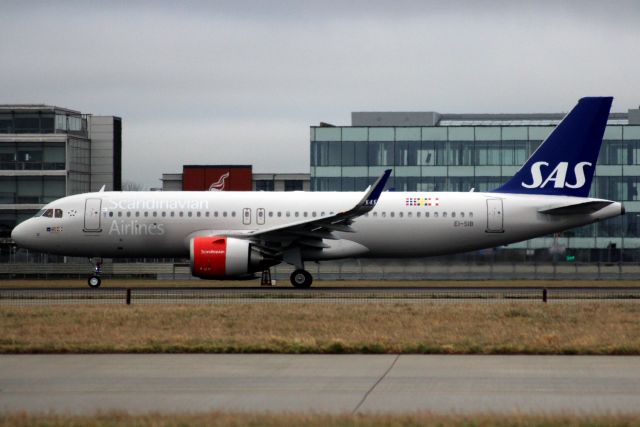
240, 82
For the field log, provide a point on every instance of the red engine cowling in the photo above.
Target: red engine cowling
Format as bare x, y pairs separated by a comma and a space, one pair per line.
215, 257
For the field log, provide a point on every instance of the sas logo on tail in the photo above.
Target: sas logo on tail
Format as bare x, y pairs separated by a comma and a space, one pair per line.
558, 176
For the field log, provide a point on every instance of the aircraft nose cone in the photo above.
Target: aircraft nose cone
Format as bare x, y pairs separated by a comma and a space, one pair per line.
19, 234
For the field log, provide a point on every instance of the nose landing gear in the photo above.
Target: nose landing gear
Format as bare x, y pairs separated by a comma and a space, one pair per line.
94, 280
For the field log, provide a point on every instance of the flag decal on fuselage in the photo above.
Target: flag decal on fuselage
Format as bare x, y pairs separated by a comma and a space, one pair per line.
422, 201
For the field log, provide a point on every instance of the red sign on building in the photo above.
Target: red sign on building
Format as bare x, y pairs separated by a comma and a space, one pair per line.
217, 177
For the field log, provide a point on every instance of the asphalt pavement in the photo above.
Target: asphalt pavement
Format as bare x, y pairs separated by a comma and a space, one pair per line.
320, 383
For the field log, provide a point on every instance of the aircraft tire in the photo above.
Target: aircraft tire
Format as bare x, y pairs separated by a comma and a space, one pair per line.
94, 281
301, 279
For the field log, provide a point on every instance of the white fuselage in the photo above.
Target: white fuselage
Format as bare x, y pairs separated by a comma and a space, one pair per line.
402, 224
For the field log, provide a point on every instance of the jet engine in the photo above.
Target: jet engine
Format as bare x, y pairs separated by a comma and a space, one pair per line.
216, 257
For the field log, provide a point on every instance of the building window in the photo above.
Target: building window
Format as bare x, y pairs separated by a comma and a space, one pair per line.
264, 185
292, 185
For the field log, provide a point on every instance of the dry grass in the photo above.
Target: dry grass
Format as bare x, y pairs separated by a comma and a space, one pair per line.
143, 283
226, 419
519, 328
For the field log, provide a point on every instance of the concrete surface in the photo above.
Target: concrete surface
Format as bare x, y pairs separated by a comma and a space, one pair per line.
333, 383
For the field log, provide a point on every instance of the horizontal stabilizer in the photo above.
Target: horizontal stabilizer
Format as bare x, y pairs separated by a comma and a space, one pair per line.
577, 208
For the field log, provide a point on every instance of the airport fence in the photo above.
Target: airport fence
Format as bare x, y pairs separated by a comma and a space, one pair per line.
414, 269
136, 296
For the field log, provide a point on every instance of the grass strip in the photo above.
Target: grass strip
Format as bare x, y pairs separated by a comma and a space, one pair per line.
229, 419
467, 328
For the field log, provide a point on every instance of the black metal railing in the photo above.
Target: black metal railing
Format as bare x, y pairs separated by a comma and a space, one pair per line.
54, 296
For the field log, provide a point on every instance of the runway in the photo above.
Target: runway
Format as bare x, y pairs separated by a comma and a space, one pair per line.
321, 383
227, 295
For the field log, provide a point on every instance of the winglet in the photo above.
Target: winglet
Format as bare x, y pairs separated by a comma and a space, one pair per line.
373, 193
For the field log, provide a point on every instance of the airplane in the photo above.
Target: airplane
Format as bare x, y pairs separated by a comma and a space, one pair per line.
234, 235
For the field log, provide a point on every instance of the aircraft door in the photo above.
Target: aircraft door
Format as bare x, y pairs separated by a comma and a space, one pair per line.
260, 216
246, 216
92, 214
495, 218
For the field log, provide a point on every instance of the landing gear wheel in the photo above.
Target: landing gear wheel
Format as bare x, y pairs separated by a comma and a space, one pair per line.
301, 279
94, 281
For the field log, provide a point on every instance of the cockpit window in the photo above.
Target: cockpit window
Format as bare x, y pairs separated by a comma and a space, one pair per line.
48, 213
39, 213
58, 213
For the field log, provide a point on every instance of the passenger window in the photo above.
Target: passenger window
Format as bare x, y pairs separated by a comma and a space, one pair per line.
461, 214
198, 214
119, 213
189, 214
172, 214
392, 214
48, 213
164, 214
224, 214
409, 214
417, 214
146, 214
384, 214
215, 214
453, 214
305, 214
470, 214
128, 214
313, 214
288, 214
296, 214
181, 214
233, 214
137, 214
444, 214
155, 214
279, 214
270, 214
435, 214
58, 213
400, 214
375, 214
110, 214
321, 213
426, 214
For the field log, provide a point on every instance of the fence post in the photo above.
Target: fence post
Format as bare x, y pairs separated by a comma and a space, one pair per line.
128, 296
544, 295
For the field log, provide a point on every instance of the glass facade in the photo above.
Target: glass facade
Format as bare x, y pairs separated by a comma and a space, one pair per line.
48, 121
32, 155
462, 157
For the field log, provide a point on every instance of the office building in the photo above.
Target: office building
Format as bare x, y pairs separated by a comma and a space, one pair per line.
48, 152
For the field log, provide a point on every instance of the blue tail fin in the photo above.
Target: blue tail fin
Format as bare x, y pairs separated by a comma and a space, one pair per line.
565, 162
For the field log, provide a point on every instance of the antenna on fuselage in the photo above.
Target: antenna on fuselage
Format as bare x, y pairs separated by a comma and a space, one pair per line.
101, 190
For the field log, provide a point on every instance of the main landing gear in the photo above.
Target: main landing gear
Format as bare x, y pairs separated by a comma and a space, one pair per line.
301, 278
94, 280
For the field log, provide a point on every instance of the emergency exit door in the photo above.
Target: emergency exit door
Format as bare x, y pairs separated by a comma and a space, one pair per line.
92, 214
495, 216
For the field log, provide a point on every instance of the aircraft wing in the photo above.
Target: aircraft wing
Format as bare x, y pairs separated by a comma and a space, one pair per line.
311, 232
